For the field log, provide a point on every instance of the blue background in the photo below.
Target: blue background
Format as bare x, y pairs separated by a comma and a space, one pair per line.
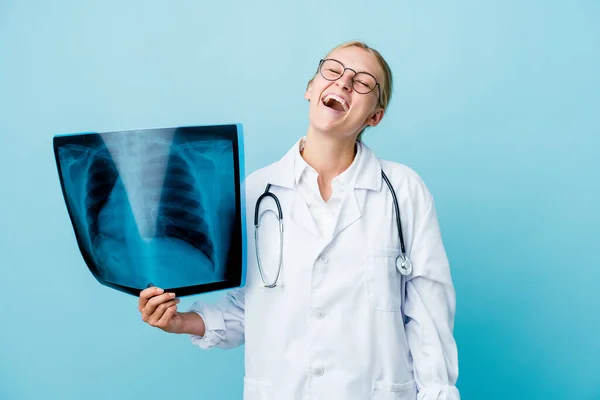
496, 105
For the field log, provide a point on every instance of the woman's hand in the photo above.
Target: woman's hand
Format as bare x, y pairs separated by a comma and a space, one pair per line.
159, 309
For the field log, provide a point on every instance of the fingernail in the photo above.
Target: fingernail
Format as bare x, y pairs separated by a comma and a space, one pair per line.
172, 294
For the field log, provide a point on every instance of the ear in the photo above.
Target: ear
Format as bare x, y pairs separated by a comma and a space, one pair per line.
308, 91
375, 118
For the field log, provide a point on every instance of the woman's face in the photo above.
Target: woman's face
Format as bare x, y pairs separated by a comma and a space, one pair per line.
335, 107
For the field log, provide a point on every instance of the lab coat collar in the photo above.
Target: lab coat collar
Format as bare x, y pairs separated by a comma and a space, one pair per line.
368, 170
366, 177
367, 174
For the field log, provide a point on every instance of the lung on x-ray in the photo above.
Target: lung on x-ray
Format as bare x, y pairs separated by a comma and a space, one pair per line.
157, 206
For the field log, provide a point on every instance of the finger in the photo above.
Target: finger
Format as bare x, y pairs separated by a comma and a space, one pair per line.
160, 311
154, 302
150, 292
146, 294
163, 322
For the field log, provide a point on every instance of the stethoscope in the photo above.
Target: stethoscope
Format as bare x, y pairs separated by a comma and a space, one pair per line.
403, 263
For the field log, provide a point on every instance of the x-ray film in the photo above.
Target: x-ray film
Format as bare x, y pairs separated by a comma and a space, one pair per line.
157, 206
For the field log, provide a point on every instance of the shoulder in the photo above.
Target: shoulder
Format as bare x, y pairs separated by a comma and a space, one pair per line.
256, 182
262, 174
401, 176
406, 180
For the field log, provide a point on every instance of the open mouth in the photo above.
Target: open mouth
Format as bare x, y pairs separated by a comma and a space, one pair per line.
335, 103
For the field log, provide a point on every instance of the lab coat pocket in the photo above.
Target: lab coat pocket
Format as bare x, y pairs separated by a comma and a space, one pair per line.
256, 390
383, 279
394, 391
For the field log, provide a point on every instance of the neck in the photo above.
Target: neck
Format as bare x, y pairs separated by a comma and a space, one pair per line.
329, 156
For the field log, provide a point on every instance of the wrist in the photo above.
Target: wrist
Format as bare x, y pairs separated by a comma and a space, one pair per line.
192, 324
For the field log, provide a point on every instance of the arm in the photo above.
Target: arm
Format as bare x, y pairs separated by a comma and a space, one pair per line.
219, 325
430, 307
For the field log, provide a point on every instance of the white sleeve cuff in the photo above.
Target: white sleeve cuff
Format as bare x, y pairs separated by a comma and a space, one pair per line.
214, 324
439, 392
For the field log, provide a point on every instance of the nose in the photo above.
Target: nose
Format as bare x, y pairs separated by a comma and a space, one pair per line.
345, 81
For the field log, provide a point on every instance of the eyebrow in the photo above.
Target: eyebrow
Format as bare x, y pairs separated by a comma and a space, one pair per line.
356, 71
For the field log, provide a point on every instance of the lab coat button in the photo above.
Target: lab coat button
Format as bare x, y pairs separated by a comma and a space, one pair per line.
318, 371
320, 314
323, 259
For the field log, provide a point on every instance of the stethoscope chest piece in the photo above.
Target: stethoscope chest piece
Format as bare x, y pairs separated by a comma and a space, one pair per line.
404, 265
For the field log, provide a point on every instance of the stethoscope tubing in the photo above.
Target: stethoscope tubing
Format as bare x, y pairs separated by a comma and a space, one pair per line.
402, 262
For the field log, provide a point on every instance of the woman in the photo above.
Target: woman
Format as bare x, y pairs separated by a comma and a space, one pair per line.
340, 321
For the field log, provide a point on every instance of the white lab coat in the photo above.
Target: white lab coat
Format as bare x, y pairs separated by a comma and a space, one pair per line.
334, 330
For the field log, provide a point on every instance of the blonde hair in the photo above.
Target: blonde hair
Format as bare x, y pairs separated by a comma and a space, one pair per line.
385, 86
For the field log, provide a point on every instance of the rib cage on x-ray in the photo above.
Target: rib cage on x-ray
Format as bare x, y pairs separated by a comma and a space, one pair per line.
180, 213
102, 176
150, 191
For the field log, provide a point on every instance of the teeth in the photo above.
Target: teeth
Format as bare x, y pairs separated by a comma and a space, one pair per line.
338, 99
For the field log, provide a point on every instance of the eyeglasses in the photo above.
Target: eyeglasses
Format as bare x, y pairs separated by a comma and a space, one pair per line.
362, 82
